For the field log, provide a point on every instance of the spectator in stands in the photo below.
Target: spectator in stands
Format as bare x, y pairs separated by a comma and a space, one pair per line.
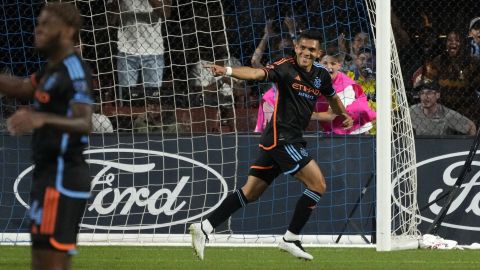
457, 74
429, 49
474, 37
265, 109
364, 74
418, 57
431, 118
351, 50
140, 45
281, 45
352, 97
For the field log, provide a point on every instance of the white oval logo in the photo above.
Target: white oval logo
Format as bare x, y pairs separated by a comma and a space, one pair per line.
162, 201
449, 180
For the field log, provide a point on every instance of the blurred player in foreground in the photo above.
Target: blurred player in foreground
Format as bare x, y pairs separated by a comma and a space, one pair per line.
60, 121
300, 81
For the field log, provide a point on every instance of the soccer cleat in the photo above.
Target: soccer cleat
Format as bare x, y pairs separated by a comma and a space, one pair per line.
295, 248
199, 238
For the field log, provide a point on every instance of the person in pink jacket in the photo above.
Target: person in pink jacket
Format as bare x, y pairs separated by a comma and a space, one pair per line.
352, 96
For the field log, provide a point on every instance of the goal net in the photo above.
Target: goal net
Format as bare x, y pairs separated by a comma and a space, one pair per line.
171, 141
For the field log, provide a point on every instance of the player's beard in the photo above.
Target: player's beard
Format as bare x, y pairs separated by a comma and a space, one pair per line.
52, 46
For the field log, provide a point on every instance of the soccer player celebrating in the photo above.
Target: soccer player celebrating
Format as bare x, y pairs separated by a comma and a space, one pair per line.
60, 121
300, 81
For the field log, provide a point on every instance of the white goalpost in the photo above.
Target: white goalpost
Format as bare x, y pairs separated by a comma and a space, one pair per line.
396, 225
179, 148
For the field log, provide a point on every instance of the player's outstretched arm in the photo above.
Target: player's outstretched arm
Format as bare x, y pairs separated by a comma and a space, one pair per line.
26, 120
17, 87
242, 73
338, 109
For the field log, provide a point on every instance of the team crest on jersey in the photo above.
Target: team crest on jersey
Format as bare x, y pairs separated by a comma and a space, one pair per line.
317, 82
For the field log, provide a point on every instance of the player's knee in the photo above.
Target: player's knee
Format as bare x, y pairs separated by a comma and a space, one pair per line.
250, 195
320, 186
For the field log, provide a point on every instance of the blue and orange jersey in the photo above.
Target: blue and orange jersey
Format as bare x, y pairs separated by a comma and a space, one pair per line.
57, 87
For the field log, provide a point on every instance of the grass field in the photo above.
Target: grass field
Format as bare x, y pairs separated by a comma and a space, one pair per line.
115, 258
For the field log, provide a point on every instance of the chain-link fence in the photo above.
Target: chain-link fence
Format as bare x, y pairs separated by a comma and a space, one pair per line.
438, 43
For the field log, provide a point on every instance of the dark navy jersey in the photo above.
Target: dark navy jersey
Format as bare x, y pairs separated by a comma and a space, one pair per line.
297, 93
56, 89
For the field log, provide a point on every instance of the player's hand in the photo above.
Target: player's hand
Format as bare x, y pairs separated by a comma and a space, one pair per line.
216, 69
24, 121
347, 121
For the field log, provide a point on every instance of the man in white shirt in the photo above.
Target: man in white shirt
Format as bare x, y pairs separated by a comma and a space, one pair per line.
140, 45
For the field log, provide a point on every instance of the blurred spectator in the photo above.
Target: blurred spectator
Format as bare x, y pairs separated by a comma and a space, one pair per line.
363, 73
140, 45
474, 37
265, 109
457, 74
428, 49
280, 45
351, 50
431, 118
402, 38
421, 53
352, 97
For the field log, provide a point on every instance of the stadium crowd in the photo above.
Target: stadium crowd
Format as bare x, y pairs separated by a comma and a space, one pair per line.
438, 57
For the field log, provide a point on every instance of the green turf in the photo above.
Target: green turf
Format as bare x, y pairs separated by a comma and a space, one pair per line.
116, 258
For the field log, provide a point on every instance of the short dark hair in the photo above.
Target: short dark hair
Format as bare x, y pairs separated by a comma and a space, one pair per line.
428, 85
366, 49
66, 12
311, 34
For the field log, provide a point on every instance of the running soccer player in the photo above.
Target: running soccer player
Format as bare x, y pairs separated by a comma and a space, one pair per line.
300, 81
60, 121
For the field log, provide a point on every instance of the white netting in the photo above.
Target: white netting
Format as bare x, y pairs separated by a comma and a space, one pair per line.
155, 122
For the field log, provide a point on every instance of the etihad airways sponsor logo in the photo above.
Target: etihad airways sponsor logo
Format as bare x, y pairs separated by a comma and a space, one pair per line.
305, 88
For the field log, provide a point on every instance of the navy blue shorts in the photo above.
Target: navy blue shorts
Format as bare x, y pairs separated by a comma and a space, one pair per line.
57, 205
286, 159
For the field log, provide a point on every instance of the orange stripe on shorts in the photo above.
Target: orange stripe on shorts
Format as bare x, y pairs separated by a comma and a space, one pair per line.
50, 206
61, 246
261, 167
